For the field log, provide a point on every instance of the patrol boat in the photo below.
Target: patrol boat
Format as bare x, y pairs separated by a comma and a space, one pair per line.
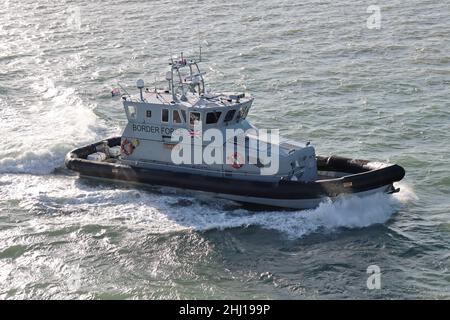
150, 149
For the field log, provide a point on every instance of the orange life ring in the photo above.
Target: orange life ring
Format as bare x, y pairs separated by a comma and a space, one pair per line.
127, 147
237, 161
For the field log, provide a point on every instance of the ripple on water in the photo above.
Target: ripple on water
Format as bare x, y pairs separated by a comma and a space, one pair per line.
316, 72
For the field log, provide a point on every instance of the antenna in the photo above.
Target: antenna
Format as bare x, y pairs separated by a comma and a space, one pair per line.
170, 53
199, 45
140, 84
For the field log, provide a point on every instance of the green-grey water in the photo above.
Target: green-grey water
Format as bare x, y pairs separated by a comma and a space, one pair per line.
317, 73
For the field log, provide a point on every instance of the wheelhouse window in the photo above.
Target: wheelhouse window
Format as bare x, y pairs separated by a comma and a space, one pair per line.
176, 117
229, 116
239, 115
148, 113
245, 111
132, 112
194, 118
165, 115
242, 113
212, 117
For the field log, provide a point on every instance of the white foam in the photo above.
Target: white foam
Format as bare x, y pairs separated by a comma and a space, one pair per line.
39, 133
72, 201
406, 193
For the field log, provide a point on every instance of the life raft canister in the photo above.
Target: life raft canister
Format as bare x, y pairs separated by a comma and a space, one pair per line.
237, 160
127, 146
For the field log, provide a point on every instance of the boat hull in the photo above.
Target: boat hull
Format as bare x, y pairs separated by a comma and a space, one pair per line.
346, 176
